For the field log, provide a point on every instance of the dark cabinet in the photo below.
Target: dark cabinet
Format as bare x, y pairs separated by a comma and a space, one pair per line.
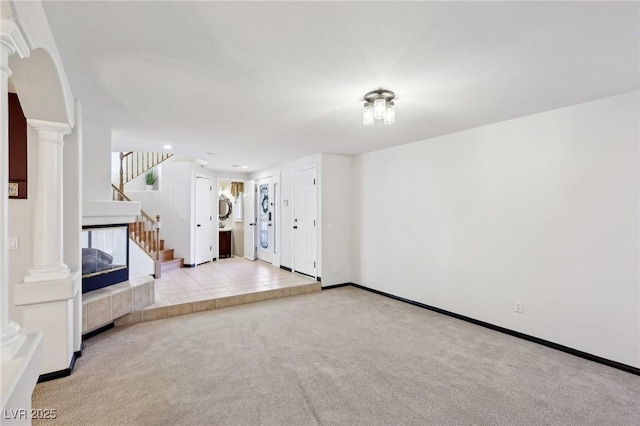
224, 243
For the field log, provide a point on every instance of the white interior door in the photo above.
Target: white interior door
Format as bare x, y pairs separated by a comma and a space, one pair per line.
203, 220
265, 220
304, 221
249, 218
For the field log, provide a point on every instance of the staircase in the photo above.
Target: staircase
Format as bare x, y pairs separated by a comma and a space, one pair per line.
145, 231
135, 163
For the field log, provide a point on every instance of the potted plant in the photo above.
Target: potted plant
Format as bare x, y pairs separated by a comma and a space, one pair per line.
150, 178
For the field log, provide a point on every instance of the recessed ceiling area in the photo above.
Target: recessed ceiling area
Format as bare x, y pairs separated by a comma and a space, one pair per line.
259, 83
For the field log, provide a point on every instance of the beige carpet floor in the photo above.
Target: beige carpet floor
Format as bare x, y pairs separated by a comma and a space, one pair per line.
338, 357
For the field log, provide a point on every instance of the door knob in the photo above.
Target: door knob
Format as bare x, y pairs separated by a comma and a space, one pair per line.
199, 225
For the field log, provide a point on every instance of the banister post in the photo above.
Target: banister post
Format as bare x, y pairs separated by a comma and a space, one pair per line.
121, 173
158, 266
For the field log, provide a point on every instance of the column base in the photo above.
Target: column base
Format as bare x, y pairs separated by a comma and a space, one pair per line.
48, 308
47, 273
12, 336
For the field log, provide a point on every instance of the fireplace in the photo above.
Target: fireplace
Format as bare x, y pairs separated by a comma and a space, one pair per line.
105, 256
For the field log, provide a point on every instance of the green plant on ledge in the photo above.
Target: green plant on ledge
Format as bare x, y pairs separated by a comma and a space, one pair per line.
150, 178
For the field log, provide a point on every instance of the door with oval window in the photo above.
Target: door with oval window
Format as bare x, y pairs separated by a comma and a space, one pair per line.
265, 219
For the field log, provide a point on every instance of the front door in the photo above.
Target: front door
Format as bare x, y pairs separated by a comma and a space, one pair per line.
265, 218
203, 219
304, 221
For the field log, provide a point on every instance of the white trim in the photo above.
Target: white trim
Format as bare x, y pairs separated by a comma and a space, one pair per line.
14, 39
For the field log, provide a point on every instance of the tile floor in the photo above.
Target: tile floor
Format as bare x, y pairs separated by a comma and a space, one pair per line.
222, 278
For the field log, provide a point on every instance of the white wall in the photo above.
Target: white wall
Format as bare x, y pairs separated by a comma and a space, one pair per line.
73, 187
20, 219
335, 177
96, 154
140, 264
541, 209
174, 203
72, 205
138, 183
19, 260
286, 171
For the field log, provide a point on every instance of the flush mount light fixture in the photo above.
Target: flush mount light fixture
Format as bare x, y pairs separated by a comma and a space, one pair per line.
167, 147
378, 105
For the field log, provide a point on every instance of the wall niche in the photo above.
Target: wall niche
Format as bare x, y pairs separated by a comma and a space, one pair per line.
17, 149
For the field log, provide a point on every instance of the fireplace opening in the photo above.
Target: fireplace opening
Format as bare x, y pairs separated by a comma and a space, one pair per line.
105, 256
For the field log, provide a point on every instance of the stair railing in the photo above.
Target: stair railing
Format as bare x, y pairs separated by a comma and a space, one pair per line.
145, 231
135, 163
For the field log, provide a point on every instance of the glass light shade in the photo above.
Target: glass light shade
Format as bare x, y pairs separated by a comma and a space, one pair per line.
390, 114
367, 114
379, 107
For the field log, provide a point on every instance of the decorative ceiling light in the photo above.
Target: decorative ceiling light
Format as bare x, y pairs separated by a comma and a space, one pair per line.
379, 105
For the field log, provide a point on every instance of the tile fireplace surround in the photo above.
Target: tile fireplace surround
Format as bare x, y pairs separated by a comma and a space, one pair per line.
101, 307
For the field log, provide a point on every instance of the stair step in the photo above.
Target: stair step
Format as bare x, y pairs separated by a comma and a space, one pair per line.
169, 265
146, 238
166, 255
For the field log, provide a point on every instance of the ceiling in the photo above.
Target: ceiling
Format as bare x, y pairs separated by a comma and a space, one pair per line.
256, 84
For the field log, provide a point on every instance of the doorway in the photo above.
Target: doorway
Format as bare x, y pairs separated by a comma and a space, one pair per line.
260, 202
230, 219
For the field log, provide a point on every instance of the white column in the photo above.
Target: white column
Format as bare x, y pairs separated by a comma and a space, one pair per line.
21, 353
11, 334
47, 242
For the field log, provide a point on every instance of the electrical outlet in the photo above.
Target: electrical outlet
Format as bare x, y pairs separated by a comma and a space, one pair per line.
13, 243
518, 306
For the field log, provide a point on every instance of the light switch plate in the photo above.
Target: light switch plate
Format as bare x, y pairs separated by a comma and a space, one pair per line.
13, 243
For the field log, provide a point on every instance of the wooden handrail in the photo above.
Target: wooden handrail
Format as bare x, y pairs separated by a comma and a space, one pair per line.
148, 216
118, 195
145, 232
158, 264
135, 163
